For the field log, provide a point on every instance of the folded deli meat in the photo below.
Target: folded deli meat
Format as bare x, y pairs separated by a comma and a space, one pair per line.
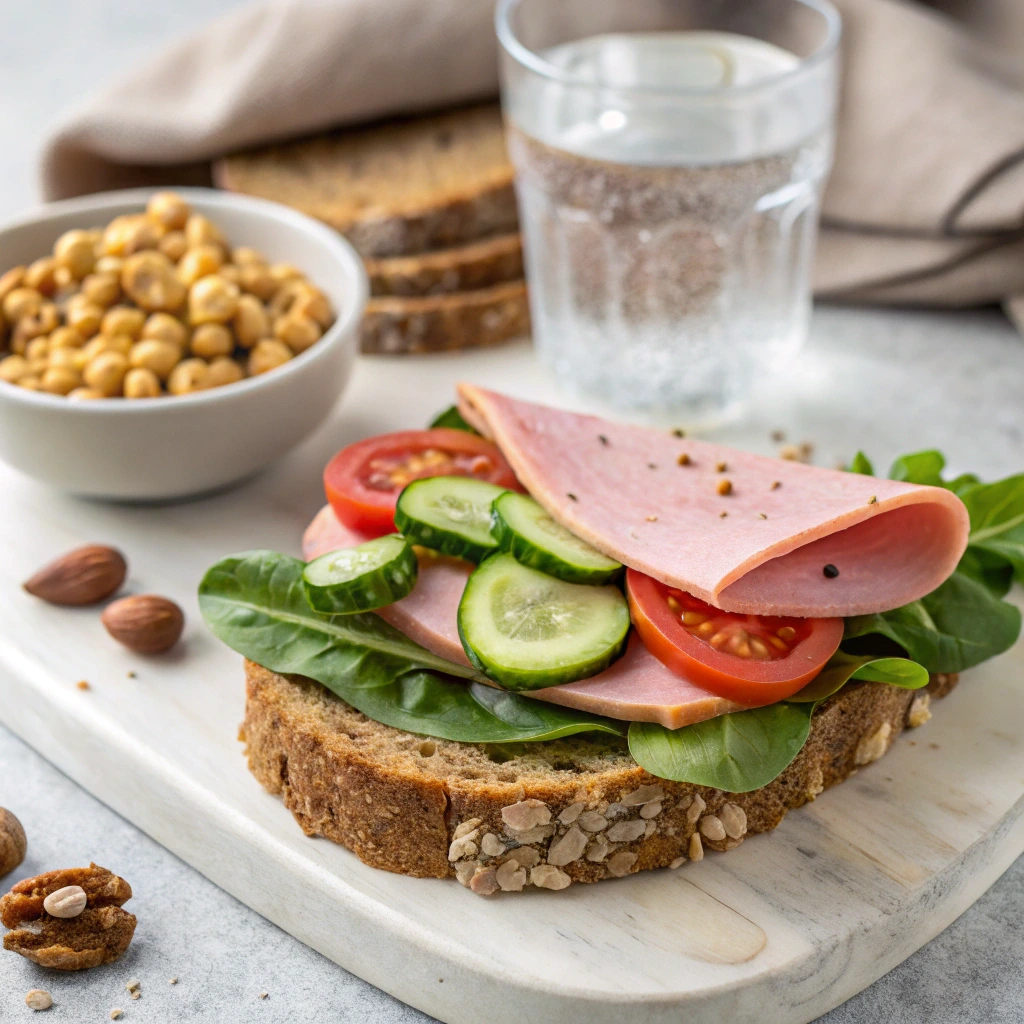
742, 532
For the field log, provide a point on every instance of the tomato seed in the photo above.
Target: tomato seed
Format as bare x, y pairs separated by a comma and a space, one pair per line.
786, 633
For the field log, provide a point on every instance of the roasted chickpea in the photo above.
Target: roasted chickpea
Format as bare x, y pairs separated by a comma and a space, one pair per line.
76, 251
110, 265
141, 383
199, 230
173, 245
42, 321
268, 354
40, 275
223, 371
37, 348
63, 358
60, 380
13, 368
282, 272
106, 373
84, 316
123, 320
168, 209
149, 279
10, 280
157, 355
231, 273
120, 343
103, 289
255, 279
66, 337
310, 301
164, 327
211, 340
19, 302
244, 256
85, 394
250, 321
212, 300
65, 282
297, 331
284, 298
129, 233
33, 381
199, 262
189, 375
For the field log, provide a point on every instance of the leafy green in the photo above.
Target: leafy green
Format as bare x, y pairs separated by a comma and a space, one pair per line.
919, 468
959, 625
843, 667
452, 418
861, 464
255, 603
997, 520
737, 753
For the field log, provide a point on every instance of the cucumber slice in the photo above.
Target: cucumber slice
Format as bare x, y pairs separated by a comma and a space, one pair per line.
528, 630
373, 575
451, 514
452, 419
524, 529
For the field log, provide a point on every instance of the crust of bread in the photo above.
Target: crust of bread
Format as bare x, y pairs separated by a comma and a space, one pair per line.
435, 808
439, 323
401, 187
463, 268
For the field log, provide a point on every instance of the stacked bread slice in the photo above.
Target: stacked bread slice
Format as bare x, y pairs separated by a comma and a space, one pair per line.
429, 204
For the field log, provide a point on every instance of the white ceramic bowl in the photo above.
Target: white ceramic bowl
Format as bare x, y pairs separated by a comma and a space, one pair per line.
177, 446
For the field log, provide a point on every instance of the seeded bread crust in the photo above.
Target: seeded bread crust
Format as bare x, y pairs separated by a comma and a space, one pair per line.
549, 814
464, 268
439, 323
393, 189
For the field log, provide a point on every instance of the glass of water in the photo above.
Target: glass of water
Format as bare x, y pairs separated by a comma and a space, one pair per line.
670, 157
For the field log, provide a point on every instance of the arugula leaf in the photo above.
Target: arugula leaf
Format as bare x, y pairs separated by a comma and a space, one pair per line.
255, 603
997, 519
919, 468
959, 625
452, 418
861, 464
737, 753
843, 667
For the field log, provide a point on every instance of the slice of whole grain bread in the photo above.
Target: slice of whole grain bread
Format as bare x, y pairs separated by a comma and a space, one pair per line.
463, 268
546, 814
396, 188
437, 323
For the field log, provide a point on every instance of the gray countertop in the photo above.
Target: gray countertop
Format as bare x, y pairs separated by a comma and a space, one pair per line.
223, 954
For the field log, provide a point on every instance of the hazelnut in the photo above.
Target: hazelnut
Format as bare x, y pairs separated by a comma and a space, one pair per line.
13, 844
144, 623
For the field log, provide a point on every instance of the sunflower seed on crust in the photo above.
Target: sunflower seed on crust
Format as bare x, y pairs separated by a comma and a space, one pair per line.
651, 810
464, 847
511, 877
626, 831
734, 820
571, 813
545, 876
526, 815
534, 835
621, 863
696, 847
466, 827
593, 821
491, 845
527, 856
465, 870
643, 795
484, 882
696, 808
711, 827
569, 848
677, 863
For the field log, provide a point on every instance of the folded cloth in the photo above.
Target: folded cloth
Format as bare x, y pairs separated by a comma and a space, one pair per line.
925, 204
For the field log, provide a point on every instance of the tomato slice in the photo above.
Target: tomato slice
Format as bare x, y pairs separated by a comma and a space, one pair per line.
364, 480
751, 659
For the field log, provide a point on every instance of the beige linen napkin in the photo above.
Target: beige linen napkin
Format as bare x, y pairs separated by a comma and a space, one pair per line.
925, 205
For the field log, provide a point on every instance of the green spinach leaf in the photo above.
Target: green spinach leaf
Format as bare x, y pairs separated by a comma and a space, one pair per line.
997, 520
738, 753
955, 627
861, 464
452, 419
843, 667
919, 468
255, 603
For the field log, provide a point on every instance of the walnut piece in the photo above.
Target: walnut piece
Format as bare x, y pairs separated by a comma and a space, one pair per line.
13, 843
98, 935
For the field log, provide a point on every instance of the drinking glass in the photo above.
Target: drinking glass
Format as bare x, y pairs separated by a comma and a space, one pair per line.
670, 157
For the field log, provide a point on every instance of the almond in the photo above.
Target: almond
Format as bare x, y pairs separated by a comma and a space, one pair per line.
144, 623
83, 576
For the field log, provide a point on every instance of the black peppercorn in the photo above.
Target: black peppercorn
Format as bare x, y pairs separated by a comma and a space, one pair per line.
830, 571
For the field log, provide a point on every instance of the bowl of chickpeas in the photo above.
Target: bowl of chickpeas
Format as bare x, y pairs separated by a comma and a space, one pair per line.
157, 345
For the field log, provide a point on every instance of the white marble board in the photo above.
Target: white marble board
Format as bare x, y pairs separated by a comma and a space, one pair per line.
779, 930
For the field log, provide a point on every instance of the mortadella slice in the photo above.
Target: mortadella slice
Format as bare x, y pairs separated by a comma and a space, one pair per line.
636, 688
743, 532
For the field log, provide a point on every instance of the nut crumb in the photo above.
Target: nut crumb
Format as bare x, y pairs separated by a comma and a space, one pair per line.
724, 487
38, 999
173, 981
132, 675
133, 984
719, 467
116, 1014
652, 519
264, 995
776, 484
683, 460
136, 994
677, 863
83, 684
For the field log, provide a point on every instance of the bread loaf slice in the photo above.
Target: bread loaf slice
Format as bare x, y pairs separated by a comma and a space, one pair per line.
393, 189
436, 323
463, 268
544, 814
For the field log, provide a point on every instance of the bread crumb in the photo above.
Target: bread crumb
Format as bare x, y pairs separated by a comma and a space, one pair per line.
132, 984
83, 684
173, 981
264, 995
116, 1014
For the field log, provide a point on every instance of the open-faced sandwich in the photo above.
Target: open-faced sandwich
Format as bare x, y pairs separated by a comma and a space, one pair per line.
532, 647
